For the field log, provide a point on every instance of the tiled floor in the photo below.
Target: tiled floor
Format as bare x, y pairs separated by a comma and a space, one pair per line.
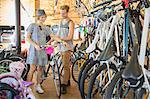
50, 92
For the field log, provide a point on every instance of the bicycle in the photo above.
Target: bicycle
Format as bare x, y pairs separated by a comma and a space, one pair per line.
55, 68
7, 57
13, 78
133, 76
90, 69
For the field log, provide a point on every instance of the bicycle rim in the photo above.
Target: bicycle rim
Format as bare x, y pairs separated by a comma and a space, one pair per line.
76, 68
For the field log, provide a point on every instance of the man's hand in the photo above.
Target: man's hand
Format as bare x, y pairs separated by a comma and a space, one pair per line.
56, 38
49, 42
67, 45
37, 47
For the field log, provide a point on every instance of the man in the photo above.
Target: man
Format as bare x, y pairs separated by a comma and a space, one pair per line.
65, 33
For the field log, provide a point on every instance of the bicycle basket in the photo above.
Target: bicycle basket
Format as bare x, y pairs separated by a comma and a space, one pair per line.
17, 68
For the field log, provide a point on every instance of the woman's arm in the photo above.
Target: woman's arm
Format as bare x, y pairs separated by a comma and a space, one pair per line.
54, 37
57, 39
32, 42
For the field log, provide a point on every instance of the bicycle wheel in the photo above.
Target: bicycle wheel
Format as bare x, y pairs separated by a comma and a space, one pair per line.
87, 73
99, 81
4, 65
116, 81
76, 68
7, 92
56, 78
16, 58
82, 69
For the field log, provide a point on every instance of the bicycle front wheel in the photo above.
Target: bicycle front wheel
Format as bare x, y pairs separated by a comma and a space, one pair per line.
76, 68
57, 80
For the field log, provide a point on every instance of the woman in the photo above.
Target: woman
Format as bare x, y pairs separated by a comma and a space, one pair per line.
36, 36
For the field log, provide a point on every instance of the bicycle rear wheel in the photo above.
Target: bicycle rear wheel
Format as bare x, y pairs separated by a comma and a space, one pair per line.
118, 89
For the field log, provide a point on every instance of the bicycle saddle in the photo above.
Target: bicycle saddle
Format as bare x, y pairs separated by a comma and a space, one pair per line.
107, 52
133, 70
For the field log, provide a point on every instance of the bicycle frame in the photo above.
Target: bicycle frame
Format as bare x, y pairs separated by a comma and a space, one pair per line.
125, 34
143, 45
100, 34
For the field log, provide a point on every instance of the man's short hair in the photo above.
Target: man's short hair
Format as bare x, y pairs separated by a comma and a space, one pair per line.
65, 7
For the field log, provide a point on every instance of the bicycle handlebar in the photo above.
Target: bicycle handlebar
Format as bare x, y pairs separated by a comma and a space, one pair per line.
104, 3
105, 7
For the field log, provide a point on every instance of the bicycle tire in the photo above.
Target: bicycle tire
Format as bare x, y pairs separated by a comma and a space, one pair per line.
82, 69
16, 58
75, 72
57, 80
109, 90
7, 87
7, 76
86, 74
94, 76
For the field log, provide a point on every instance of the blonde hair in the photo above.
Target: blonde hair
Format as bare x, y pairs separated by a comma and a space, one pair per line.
65, 7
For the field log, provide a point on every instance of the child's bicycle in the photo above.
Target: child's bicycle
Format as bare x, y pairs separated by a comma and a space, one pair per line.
13, 79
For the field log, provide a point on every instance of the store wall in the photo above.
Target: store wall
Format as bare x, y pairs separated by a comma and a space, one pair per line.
7, 12
48, 5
